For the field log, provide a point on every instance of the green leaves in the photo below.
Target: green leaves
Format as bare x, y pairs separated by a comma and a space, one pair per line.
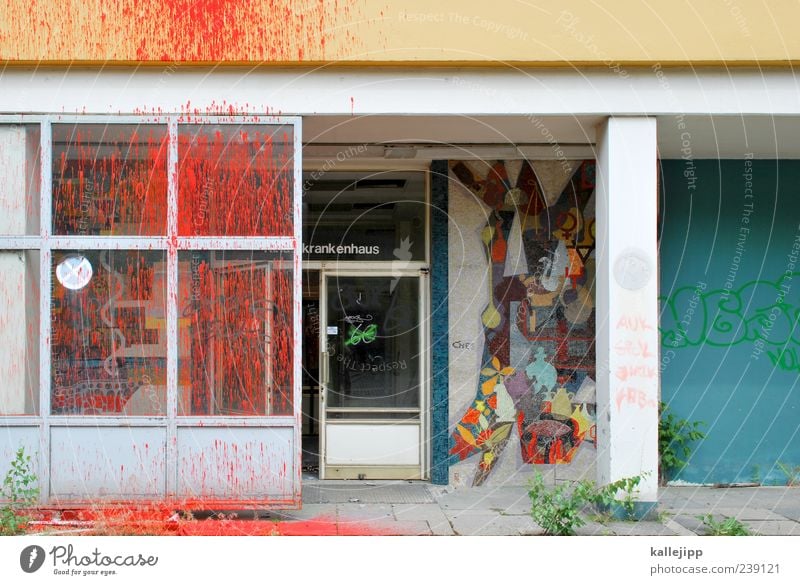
19, 491
675, 436
727, 527
558, 510
628, 486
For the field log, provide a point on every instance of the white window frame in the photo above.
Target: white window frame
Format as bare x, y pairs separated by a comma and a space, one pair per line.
46, 242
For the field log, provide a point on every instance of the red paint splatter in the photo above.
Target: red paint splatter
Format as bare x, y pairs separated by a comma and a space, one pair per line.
207, 31
157, 520
109, 180
235, 181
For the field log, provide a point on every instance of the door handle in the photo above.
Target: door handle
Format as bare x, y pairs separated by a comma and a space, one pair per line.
324, 369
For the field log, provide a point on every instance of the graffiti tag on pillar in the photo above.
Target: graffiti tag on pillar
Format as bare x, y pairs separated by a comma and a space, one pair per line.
463, 345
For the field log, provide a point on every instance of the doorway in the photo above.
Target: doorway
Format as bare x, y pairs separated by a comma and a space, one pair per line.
365, 339
372, 374
363, 414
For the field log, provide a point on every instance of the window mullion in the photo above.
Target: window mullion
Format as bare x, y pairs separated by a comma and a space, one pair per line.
45, 295
172, 308
69, 242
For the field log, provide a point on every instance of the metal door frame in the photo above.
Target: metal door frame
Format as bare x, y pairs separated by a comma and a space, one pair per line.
378, 269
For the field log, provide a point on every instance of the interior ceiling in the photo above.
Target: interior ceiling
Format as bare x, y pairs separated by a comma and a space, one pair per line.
373, 186
729, 136
707, 136
447, 129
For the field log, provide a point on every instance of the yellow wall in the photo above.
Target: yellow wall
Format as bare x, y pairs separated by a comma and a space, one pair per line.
469, 32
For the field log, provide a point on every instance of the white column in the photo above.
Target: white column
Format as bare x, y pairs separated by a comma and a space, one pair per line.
627, 305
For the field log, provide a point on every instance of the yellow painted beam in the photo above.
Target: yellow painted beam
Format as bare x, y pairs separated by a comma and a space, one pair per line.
614, 34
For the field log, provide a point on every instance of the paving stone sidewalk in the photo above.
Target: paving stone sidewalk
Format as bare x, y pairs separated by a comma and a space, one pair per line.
413, 508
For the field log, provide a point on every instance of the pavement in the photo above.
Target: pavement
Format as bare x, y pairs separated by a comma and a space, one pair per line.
362, 508
416, 508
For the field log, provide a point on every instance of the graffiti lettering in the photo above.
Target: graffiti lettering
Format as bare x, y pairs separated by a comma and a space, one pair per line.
634, 348
356, 335
463, 345
357, 319
786, 360
633, 323
626, 372
633, 396
758, 312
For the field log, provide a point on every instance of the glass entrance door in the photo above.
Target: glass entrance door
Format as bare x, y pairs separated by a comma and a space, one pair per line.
373, 364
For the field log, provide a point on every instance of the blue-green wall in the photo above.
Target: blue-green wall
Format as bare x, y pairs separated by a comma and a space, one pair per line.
440, 324
730, 272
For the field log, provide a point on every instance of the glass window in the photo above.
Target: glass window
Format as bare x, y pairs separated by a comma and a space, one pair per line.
373, 342
109, 179
108, 337
19, 180
235, 180
19, 332
235, 333
364, 216
113, 255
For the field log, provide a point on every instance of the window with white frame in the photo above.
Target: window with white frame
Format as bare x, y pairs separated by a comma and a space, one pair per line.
147, 267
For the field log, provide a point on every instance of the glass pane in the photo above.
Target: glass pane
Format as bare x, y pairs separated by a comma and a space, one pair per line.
235, 180
19, 333
109, 343
19, 180
109, 179
364, 216
373, 342
235, 333
371, 415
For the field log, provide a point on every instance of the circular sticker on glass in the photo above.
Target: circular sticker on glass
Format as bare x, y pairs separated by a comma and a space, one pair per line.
74, 272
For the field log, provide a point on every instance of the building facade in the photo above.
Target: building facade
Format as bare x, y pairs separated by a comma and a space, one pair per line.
248, 243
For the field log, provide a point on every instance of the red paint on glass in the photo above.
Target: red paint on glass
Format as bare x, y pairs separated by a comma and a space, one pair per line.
235, 181
109, 180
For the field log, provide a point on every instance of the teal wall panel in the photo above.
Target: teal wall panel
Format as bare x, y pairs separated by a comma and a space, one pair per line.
730, 303
440, 340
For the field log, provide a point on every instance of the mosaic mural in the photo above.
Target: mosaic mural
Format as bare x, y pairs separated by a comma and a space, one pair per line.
537, 320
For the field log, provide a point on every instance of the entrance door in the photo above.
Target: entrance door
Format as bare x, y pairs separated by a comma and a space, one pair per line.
373, 364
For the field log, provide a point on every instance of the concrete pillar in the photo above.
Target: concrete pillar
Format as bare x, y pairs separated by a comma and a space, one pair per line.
627, 304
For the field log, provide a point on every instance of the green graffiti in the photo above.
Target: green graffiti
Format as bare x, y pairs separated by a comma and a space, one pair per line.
787, 359
357, 335
763, 313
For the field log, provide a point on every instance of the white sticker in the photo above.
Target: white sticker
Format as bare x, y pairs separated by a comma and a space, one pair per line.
74, 272
333, 330
633, 269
